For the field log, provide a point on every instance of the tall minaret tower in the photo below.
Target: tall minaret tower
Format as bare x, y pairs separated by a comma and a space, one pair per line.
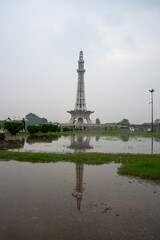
80, 100
80, 114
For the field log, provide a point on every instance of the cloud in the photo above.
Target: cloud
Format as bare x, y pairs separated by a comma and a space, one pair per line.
40, 43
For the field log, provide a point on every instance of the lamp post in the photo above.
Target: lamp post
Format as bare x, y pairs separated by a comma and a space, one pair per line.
152, 91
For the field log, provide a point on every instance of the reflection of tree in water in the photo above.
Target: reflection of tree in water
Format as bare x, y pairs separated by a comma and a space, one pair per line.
12, 142
42, 138
157, 139
97, 138
78, 190
80, 143
124, 138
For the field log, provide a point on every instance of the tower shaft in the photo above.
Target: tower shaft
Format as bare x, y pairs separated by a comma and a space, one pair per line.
80, 99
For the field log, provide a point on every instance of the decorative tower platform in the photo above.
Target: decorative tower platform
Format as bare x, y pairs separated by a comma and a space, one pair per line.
80, 115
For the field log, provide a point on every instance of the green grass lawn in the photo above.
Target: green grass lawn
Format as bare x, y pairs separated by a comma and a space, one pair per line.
141, 165
128, 133
146, 169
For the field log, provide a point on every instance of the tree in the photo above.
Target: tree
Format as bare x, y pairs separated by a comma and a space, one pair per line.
157, 121
124, 122
1, 124
97, 121
34, 119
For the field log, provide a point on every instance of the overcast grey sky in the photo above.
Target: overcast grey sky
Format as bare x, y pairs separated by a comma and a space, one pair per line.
39, 49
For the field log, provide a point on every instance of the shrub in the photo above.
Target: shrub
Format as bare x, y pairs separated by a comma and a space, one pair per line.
33, 128
67, 129
59, 129
78, 129
13, 126
46, 127
55, 128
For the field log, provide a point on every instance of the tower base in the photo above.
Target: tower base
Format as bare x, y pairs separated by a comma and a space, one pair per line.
80, 117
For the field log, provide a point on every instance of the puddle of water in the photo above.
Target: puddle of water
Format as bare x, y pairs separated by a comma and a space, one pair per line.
75, 201
83, 143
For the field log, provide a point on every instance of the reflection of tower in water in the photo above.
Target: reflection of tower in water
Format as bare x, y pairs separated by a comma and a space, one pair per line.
78, 190
80, 143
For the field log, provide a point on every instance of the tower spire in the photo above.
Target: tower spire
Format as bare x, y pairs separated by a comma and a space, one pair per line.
80, 99
81, 55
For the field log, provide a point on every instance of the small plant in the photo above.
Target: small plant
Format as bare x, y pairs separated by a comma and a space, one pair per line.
13, 126
33, 128
67, 129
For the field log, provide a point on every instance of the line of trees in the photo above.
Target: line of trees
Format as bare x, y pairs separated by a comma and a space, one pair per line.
125, 122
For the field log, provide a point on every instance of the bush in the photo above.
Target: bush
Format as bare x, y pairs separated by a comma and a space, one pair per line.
55, 128
59, 129
13, 126
33, 128
46, 127
78, 129
67, 129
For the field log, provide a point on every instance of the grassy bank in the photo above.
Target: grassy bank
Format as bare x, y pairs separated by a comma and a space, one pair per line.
128, 133
142, 165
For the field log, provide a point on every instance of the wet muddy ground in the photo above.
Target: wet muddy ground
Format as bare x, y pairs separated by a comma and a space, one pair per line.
75, 201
